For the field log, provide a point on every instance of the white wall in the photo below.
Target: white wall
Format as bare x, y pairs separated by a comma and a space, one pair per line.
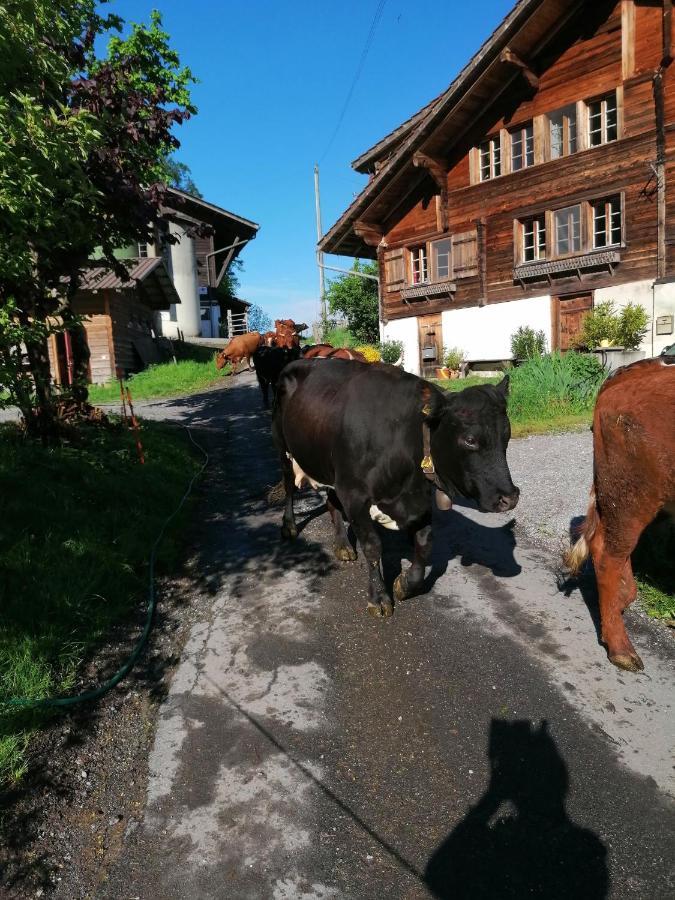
657, 299
407, 331
484, 332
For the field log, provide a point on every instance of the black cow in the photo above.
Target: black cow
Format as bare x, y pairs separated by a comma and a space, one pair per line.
268, 362
365, 431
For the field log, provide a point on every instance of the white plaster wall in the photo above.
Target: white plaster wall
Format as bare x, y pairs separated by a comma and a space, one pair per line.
184, 269
407, 331
484, 332
657, 299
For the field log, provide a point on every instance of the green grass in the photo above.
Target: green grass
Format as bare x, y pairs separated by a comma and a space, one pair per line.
547, 394
186, 376
654, 567
76, 526
340, 337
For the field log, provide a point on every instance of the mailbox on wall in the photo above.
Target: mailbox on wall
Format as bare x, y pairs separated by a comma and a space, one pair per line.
664, 325
428, 353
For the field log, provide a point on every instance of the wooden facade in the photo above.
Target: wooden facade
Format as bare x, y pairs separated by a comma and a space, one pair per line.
547, 168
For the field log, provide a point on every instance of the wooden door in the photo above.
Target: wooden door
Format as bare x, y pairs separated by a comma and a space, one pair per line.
431, 344
569, 313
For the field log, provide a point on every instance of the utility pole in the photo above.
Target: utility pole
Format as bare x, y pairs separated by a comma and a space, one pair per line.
319, 235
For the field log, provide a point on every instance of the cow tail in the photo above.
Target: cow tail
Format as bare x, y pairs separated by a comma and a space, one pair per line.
577, 555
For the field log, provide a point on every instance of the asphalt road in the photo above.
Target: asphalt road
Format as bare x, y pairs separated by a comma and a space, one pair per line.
478, 744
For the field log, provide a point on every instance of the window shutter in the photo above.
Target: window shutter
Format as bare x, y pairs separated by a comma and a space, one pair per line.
394, 270
465, 254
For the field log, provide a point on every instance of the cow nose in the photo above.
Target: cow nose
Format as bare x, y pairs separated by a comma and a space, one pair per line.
508, 501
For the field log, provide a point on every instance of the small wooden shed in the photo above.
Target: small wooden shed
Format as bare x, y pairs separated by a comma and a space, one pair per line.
119, 323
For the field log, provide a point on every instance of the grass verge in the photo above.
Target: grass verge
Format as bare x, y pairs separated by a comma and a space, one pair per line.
194, 370
76, 526
654, 568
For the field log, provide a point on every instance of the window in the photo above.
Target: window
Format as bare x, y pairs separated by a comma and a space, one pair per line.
534, 239
607, 222
490, 159
143, 250
563, 132
441, 260
602, 120
567, 230
522, 147
418, 265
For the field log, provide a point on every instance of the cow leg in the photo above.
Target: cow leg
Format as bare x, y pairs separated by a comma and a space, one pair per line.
628, 590
614, 595
289, 529
265, 389
343, 549
379, 602
408, 583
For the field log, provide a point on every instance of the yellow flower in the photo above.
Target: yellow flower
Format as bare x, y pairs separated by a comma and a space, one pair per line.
372, 354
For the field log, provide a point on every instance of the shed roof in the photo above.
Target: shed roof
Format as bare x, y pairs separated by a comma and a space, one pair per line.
227, 226
147, 275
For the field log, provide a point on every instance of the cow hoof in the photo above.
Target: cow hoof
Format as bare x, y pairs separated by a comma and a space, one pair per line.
345, 553
381, 610
400, 588
631, 662
289, 532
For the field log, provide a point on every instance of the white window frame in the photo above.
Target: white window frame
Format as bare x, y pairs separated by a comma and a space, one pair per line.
523, 136
434, 259
569, 225
608, 209
568, 124
419, 264
490, 150
602, 115
538, 232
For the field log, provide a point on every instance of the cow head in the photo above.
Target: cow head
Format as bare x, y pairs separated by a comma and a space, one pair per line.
222, 359
470, 433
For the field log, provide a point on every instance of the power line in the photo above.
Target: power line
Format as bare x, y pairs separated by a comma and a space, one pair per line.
364, 53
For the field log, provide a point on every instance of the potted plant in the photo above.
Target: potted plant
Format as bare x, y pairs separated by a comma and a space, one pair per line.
616, 336
526, 343
453, 359
391, 352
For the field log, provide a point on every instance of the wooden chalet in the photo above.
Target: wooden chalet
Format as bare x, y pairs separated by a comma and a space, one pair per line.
120, 320
541, 182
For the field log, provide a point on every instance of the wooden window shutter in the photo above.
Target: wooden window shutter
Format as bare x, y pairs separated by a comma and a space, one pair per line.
465, 254
394, 269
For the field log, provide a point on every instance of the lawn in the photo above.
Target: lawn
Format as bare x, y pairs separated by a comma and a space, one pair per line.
194, 370
76, 527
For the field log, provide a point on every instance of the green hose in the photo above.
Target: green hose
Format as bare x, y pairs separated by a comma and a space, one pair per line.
152, 605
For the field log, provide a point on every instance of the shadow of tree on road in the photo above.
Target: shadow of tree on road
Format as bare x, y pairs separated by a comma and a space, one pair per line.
518, 840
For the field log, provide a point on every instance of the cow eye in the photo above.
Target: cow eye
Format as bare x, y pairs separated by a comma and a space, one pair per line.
470, 441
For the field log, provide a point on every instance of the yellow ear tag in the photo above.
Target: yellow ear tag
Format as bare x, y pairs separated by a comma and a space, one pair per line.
426, 409
427, 464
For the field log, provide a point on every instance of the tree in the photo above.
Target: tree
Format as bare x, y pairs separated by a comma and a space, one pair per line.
83, 148
258, 320
357, 299
180, 176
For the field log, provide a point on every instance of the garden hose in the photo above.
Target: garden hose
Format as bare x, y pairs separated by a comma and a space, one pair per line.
128, 665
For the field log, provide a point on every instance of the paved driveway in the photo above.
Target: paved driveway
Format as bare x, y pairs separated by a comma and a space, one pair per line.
477, 744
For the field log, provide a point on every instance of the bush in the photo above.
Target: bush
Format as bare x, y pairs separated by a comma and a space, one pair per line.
527, 343
453, 358
338, 336
633, 326
625, 329
391, 351
372, 354
547, 386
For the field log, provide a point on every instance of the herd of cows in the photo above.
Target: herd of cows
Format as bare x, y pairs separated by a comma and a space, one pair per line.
386, 445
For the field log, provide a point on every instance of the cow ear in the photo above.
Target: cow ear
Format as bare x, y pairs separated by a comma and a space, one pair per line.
503, 386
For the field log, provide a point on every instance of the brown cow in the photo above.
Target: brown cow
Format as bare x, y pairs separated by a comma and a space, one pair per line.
633, 479
243, 346
287, 333
327, 351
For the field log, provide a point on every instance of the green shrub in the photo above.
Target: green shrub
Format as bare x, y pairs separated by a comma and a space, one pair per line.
339, 337
633, 326
391, 351
527, 343
554, 385
453, 358
625, 328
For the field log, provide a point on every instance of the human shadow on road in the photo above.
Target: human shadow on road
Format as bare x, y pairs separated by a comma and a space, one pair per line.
518, 840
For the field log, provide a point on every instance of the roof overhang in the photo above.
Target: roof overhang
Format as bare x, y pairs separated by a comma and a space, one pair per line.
227, 227
526, 30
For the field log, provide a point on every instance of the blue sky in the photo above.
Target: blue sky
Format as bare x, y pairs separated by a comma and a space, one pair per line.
273, 80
